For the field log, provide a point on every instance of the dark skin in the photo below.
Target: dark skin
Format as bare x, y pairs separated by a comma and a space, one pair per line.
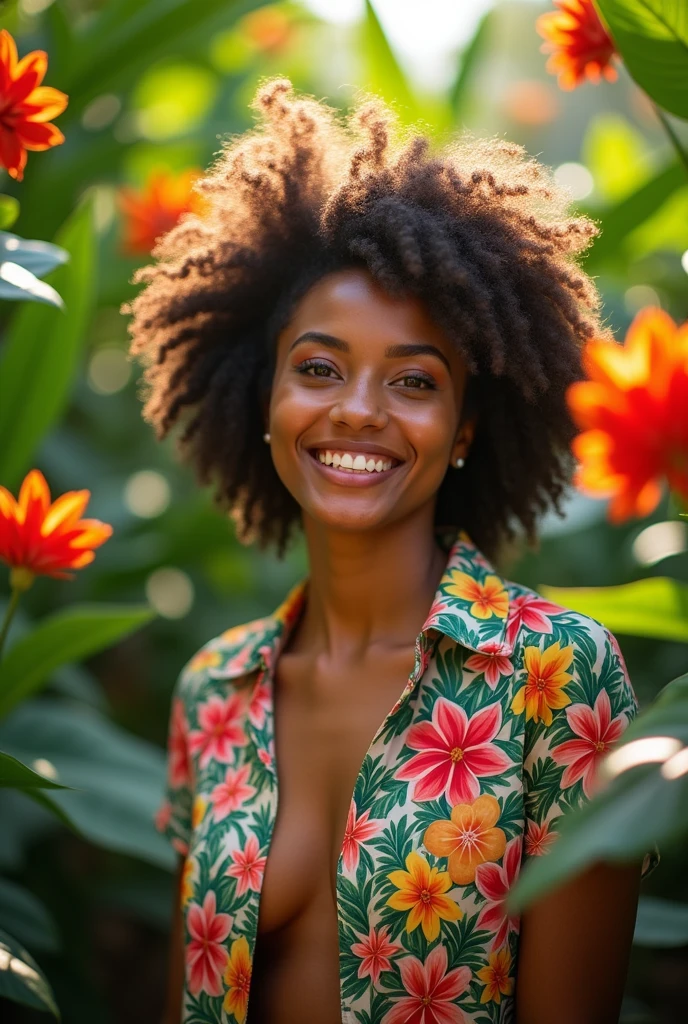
387, 376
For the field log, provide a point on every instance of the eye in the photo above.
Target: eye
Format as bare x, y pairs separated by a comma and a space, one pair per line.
417, 382
319, 367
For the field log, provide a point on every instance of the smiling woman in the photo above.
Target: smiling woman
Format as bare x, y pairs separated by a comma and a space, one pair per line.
373, 342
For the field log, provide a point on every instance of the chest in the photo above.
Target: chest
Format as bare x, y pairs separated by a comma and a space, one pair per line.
325, 719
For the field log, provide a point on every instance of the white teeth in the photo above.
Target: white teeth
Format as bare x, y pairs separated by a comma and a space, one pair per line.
353, 463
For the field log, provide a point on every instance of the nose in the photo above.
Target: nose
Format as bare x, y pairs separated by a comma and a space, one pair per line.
359, 404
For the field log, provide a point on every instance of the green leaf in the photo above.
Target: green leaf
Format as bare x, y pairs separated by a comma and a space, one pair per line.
617, 155
383, 73
32, 254
18, 284
21, 979
26, 917
66, 636
19, 776
118, 779
652, 38
470, 60
9, 211
41, 352
653, 607
661, 923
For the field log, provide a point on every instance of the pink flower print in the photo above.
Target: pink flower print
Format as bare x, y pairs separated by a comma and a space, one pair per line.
220, 731
206, 957
491, 662
163, 815
494, 882
357, 831
431, 991
538, 839
179, 764
531, 611
248, 867
597, 731
229, 795
265, 757
454, 752
375, 951
260, 702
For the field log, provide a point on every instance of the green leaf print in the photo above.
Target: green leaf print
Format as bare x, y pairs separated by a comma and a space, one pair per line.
543, 789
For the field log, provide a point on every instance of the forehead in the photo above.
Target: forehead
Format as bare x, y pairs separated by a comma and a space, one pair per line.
354, 299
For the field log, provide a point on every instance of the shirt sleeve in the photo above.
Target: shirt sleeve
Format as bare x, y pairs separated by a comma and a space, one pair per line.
173, 818
578, 700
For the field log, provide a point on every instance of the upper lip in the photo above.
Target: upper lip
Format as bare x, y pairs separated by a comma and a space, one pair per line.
350, 445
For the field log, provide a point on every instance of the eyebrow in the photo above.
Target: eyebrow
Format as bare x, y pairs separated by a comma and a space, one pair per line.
392, 351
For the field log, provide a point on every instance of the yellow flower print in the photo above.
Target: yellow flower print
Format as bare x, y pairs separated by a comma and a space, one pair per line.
544, 686
496, 976
421, 892
200, 806
488, 598
469, 839
237, 977
205, 659
187, 886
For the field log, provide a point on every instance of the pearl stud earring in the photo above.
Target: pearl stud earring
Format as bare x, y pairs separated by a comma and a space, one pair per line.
266, 438
459, 462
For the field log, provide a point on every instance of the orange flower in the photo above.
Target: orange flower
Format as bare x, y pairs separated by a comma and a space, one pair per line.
155, 209
238, 978
269, 29
496, 977
26, 106
489, 598
547, 677
37, 538
578, 44
632, 411
421, 891
205, 659
468, 839
187, 885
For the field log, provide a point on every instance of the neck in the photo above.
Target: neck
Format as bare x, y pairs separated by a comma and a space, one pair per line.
369, 588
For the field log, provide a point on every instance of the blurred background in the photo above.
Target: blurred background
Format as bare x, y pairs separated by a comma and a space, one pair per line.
154, 86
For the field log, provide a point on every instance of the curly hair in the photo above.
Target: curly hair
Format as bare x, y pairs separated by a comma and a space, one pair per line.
479, 231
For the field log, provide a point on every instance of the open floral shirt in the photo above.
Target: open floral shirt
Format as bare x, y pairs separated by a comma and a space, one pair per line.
511, 704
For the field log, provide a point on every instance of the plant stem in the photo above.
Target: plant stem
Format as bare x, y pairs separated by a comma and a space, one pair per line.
11, 609
675, 141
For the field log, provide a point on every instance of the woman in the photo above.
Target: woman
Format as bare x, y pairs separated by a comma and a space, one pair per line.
373, 342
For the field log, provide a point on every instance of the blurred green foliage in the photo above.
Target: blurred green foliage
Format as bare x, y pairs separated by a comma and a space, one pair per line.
159, 83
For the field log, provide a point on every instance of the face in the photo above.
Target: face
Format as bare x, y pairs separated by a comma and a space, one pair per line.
365, 407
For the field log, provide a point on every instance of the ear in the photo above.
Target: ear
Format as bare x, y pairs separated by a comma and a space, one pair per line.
464, 438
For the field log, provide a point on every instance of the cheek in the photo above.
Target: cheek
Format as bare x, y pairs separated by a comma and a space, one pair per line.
430, 432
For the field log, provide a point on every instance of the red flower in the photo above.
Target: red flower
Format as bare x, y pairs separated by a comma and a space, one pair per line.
248, 867
229, 795
180, 765
206, 955
493, 664
432, 992
26, 106
260, 702
538, 839
493, 882
220, 730
454, 752
578, 43
41, 538
596, 731
531, 611
375, 951
357, 831
154, 210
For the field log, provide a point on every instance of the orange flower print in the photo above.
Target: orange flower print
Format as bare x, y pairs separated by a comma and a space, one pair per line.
578, 44
544, 687
155, 209
422, 893
468, 839
496, 976
200, 806
187, 886
40, 538
488, 598
237, 977
631, 411
205, 659
26, 106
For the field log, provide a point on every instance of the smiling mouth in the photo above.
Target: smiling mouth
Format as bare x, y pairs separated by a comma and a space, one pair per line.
359, 463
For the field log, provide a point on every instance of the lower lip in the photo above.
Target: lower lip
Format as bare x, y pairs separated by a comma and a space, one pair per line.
352, 479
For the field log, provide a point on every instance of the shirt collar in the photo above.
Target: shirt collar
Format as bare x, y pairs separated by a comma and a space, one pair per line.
471, 606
